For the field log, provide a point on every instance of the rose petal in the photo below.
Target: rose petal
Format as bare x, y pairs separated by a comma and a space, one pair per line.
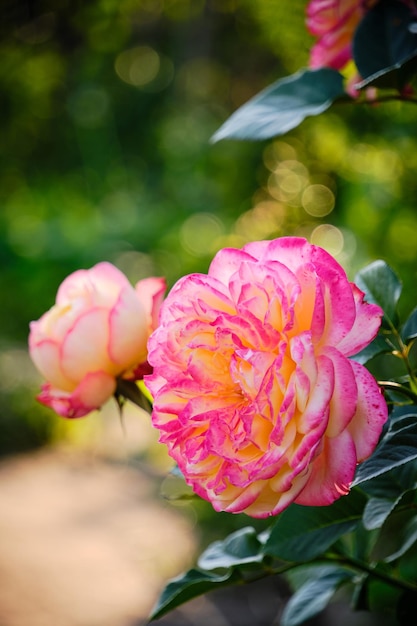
344, 401
365, 327
127, 330
46, 355
95, 389
332, 472
151, 294
85, 347
371, 413
227, 262
103, 282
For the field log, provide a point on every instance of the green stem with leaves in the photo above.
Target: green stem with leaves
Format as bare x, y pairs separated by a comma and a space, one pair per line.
364, 568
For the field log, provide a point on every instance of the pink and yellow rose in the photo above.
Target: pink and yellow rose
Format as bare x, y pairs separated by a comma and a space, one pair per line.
254, 393
334, 23
96, 332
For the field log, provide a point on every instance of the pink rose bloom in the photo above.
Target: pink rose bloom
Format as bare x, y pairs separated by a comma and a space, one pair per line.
254, 393
334, 23
97, 331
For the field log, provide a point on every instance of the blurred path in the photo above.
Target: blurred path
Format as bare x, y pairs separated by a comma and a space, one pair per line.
83, 542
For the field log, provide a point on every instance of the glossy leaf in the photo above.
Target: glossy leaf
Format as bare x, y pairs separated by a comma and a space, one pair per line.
398, 446
377, 346
409, 330
384, 47
397, 535
312, 597
190, 585
376, 512
241, 547
303, 533
381, 286
284, 105
393, 484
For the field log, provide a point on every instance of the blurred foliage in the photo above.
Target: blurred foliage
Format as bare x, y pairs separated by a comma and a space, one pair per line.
107, 112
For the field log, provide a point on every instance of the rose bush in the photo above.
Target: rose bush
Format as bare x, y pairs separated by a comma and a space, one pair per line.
254, 393
97, 331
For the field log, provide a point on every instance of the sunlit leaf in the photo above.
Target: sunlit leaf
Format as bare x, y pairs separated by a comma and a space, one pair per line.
302, 533
312, 597
284, 105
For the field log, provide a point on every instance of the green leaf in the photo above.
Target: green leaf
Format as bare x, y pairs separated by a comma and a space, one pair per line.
190, 585
398, 447
377, 346
384, 48
376, 512
409, 330
303, 533
381, 286
312, 597
284, 105
239, 548
398, 533
393, 484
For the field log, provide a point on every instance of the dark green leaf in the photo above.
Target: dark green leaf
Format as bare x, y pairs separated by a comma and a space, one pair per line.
190, 585
393, 484
241, 547
398, 533
397, 448
401, 416
377, 346
313, 596
409, 330
376, 512
381, 286
384, 48
284, 105
303, 533
395, 76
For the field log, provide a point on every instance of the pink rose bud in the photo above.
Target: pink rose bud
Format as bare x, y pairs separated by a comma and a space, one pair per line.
254, 393
97, 331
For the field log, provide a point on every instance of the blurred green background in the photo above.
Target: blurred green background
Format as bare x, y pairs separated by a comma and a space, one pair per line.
108, 107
